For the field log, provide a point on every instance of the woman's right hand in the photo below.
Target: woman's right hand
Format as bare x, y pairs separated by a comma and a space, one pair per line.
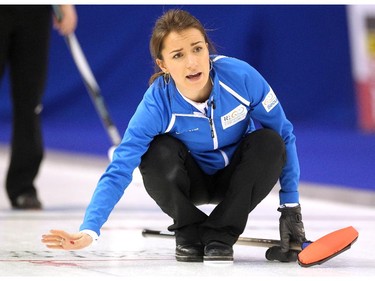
61, 240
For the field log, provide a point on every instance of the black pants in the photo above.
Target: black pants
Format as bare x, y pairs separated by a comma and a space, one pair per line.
176, 183
24, 43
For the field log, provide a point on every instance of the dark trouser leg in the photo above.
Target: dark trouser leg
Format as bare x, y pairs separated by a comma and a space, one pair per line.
28, 66
242, 185
172, 178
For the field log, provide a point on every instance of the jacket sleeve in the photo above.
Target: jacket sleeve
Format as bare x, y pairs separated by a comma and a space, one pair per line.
266, 108
147, 122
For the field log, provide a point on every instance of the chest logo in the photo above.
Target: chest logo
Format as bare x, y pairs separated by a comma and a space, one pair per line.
236, 115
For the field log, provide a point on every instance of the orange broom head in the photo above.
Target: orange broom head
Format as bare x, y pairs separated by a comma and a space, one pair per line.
328, 246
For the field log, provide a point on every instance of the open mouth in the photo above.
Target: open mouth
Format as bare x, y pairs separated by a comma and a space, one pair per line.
195, 76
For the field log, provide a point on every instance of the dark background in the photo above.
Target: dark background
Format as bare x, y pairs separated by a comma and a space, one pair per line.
302, 51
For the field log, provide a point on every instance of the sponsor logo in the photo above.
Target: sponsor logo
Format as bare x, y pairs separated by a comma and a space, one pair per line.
187, 131
236, 115
270, 101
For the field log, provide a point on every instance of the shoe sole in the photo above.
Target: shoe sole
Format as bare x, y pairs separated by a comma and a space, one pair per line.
26, 208
217, 260
189, 258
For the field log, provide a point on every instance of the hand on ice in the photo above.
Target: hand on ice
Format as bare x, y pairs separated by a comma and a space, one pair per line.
59, 239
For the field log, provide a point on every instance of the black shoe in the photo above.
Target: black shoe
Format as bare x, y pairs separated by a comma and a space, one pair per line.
218, 252
189, 253
27, 202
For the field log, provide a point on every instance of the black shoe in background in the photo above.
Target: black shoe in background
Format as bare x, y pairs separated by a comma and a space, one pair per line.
218, 252
27, 202
189, 253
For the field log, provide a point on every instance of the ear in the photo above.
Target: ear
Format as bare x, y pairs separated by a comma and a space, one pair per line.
161, 65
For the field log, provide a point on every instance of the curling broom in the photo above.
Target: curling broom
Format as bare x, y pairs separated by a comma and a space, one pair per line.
309, 253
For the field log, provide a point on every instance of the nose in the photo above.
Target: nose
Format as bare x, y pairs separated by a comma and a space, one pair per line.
191, 61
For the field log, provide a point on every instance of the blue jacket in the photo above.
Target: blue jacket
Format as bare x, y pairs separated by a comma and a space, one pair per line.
239, 96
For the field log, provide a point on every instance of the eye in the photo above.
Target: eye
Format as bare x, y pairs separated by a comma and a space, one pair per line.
197, 49
177, 55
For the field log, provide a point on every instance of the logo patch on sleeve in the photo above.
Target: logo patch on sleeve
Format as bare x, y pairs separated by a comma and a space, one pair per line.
270, 101
236, 115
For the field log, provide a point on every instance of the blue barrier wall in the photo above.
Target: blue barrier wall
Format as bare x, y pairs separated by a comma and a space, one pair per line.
303, 52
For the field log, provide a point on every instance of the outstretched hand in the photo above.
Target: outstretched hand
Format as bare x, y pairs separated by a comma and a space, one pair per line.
61, 240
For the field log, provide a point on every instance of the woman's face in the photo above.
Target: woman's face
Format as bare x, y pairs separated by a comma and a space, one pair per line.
186, 59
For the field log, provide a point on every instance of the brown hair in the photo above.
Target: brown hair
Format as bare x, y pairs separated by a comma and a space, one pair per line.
172, 20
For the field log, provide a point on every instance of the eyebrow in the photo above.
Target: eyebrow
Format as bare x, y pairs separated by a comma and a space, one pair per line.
192, 44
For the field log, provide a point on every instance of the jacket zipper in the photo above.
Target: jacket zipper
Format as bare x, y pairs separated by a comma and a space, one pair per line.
213, 106
212, 128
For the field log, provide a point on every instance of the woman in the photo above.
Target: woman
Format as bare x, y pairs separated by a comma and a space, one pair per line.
194, 140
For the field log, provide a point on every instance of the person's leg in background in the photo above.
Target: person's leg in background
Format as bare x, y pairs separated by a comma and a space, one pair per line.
28, 60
